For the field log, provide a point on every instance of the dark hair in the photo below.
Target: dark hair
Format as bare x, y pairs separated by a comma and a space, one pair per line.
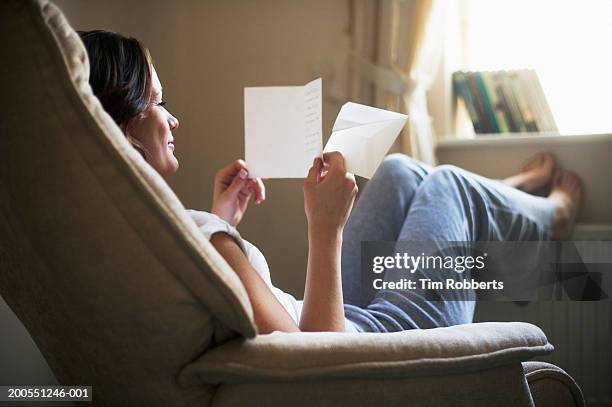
120, 76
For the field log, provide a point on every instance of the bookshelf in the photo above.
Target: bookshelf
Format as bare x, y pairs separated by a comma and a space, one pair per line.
517, 139
502, 102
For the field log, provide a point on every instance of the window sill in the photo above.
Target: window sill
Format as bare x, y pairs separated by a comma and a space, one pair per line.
513, 139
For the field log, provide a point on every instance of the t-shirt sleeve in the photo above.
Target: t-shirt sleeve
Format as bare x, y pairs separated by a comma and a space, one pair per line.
209, 224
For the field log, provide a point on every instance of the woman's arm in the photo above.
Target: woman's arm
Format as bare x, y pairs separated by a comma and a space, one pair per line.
323, 308
269, 314
328, 199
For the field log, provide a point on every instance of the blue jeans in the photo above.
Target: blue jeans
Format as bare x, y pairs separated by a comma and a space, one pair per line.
410, 201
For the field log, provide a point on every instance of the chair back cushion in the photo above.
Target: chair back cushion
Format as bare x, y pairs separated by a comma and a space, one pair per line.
98, 257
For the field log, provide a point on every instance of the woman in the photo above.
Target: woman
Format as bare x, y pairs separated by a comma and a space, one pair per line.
405, 201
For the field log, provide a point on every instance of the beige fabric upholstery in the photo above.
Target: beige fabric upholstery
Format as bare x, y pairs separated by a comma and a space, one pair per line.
119, 289
284, 356
503, 386
551, 386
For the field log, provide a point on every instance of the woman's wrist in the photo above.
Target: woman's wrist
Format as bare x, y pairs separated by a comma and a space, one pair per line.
324, 233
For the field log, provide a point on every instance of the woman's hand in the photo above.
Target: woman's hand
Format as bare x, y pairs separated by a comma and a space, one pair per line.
329, 196
233, 191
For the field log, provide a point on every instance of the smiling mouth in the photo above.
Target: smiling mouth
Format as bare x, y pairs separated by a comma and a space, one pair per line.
171, 145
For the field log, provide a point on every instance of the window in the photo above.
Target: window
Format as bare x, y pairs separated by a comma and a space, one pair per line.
566, 41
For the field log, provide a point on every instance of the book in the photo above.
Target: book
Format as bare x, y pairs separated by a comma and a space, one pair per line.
515, 112
462, 90
486, 102
498, 108
547, 117
505, 106
523, 77
486, 127
522, 101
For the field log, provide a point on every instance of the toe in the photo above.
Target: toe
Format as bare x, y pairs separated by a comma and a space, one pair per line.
558, 176
576, 183
548, 160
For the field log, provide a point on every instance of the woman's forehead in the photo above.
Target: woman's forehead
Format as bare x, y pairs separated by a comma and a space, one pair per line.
155, 83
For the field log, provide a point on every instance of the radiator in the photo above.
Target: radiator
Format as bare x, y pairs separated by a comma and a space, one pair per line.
581, 331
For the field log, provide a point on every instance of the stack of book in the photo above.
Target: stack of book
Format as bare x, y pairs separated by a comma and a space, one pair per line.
510, 101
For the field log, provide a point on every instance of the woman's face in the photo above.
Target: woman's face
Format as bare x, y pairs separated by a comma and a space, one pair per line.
153, 129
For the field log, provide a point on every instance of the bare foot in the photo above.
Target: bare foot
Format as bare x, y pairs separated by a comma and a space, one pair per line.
536, 173
566, 194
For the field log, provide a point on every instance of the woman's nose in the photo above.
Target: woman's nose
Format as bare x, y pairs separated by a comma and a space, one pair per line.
173, 121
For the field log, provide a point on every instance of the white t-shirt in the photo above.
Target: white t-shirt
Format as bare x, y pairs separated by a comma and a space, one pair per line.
209, 224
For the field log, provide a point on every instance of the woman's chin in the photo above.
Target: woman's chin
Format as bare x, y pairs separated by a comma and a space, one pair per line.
174, 164
169, 167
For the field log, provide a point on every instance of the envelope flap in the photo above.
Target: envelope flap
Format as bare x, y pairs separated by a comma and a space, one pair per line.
354, 115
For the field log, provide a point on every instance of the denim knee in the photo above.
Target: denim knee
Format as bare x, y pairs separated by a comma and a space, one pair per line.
400, 168
446, 178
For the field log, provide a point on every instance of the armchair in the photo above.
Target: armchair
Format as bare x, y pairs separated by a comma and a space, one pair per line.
121, 291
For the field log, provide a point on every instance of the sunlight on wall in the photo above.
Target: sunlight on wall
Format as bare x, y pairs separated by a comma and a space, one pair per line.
567, 42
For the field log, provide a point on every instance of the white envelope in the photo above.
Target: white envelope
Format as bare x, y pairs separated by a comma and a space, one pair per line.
364, 134
283, 132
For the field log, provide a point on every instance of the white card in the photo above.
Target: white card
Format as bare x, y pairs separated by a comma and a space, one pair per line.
282, 129
283, 132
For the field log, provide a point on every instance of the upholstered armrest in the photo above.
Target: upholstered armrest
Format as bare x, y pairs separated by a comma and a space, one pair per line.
297, 356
